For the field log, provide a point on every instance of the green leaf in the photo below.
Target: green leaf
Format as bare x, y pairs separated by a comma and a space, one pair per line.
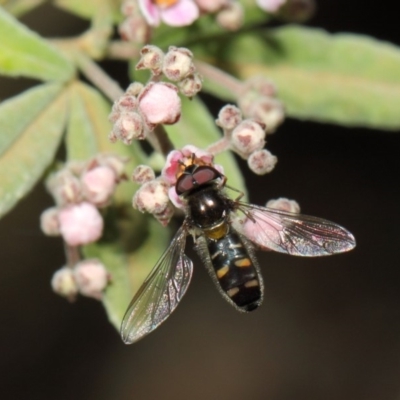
197, 127
20, 7
129, 256
87, 134
347, 79
25, 53
31, 127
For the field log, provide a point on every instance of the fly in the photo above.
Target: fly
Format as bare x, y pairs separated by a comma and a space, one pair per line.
225, 233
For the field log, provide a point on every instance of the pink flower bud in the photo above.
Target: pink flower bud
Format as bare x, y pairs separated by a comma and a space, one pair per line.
49, 222
191, 85
99, 185
247, 137
135, 29
115, 162
269, 111
128, 127
271, 6
129, 7
159, 103
262, 162
178, 63
143, 174
231, 17
212, 6
134, 88
229, 117
151, 58
63, 283
92, 278
80, 224
152, 197
284, 204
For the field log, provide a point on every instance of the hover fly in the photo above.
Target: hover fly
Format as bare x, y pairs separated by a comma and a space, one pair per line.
225, 232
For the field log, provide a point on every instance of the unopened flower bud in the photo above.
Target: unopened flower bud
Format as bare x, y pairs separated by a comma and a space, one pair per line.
63, 283
261, 86
151, 58
211, 6
178, 63
65, 187
134, 88
271, 6
134, 29
284, 204
92, 278
98, 185
229, 117
80, 224
115, 162
165, 216
262, 162
191, 85
231, 17
129, 126
129, 7
143, 174
159, 103
49, 222
269, 111
247, 137
152, 197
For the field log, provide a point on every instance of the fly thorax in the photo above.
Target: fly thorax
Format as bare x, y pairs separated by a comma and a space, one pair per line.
206, 207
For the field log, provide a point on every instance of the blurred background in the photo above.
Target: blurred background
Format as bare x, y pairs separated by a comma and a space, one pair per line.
329, 328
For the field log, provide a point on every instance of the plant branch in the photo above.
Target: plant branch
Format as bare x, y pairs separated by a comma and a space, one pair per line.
98, 77
119, 50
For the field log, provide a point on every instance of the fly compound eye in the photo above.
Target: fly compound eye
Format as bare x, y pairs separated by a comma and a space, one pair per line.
185, 183
205, 174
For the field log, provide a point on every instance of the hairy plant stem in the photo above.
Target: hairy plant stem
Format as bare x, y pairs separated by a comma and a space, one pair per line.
98, 77
72, 255
219, 78
119, 50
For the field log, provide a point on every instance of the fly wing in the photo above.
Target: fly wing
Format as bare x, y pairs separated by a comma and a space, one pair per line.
295, 234
160, 293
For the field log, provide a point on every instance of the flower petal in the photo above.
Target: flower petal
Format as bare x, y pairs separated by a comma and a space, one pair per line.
184, 12
270, 5
150, 12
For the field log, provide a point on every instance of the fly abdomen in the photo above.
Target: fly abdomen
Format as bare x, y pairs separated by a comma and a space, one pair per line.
235, 271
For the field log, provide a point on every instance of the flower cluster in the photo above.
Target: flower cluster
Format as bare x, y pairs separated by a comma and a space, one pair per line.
143, 15
259, 101
87, 277
79, 190
246, 137
157, 195
142, 108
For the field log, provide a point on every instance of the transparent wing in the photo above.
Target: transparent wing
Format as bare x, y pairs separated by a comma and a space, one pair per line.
160, 293
295, 234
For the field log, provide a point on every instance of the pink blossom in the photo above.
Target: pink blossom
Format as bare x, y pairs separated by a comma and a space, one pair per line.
92, 278
98, 185
171, 12
159, 103
80, 224
271, 6
184, 156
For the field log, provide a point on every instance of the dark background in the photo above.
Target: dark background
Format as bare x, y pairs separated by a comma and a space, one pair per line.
329, 328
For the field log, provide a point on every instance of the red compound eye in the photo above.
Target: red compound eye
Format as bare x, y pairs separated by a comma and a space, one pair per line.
205, 174
185, 183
